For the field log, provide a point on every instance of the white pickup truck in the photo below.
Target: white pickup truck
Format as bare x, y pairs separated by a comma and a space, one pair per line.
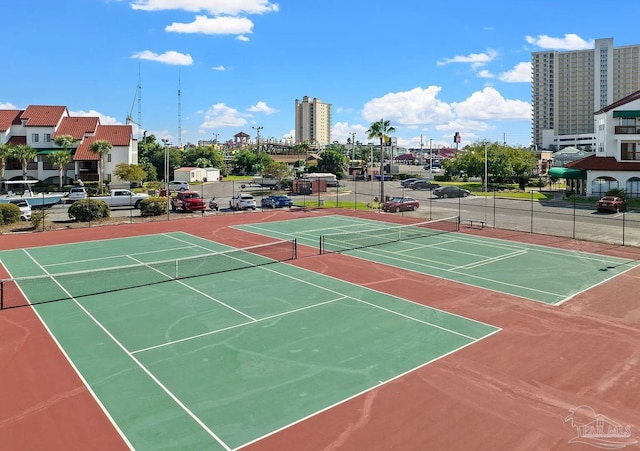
122, 198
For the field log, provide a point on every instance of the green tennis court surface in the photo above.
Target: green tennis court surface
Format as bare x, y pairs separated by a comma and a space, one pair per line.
220, 360
529, 271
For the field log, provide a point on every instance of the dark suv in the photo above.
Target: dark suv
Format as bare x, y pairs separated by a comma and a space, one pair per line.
423, 185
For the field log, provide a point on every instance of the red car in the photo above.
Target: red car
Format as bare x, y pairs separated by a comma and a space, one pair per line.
612, 204
398, 204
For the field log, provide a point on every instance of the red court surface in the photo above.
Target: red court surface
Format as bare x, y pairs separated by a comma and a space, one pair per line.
514, 390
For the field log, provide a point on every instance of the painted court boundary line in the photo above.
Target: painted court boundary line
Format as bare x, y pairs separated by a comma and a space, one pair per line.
140, 365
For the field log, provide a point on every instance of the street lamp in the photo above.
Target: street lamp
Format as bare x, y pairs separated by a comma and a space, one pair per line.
257, 129
165, 141
353, 146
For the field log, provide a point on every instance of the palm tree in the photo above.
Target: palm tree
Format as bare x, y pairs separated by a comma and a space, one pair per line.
101, 147
381, 130
24, 153
5, 152
303, 147
60, 158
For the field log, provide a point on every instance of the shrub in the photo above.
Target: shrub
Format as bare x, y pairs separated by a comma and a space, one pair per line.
9, 213
85, 210
153, 206
37, 217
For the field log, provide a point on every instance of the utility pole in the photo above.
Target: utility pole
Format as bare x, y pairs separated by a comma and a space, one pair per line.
258, 138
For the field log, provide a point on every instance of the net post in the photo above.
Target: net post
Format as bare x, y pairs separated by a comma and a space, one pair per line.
458, 223
1, 294
295, 248
321, 244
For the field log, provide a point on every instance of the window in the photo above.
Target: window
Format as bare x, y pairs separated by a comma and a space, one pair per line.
108, 158
629, 151
46, 138
35, 137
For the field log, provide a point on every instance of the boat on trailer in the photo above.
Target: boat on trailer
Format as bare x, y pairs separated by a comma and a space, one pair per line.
21, 190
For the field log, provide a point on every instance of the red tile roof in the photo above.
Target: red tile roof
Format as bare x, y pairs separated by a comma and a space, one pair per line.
77, 127
9, 117
117, 135
593, 162
44, 115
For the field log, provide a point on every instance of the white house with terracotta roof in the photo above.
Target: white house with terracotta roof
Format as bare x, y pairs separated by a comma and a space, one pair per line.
616, 161
38, 125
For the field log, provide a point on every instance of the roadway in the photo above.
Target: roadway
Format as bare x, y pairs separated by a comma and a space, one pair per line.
552, 217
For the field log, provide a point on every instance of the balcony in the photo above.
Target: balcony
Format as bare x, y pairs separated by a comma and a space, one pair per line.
627, 130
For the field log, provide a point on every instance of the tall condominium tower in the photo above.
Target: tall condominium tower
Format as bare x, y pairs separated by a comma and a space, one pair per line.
313, 121
568, 87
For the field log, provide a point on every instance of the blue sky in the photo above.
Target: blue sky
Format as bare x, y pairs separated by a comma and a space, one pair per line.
430, 68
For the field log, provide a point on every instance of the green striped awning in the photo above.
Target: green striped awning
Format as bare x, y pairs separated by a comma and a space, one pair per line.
567, 173
628, 113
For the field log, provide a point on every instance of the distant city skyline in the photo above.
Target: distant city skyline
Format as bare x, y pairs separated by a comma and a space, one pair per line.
428, 70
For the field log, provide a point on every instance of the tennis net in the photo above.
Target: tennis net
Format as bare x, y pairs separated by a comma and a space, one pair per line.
25, 291
344, 241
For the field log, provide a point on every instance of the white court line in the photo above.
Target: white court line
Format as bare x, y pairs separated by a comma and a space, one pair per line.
490, 260
140, 365
213, 332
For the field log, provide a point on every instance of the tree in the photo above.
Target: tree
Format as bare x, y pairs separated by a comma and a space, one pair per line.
334, 162
203, 163
303, 148
130, 172
276, 170
60, 158
64, 141
24, 154
102, 148
5, 152
381, 130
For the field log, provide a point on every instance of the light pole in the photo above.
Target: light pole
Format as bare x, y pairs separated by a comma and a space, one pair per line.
165, 141
353, 146
486, 170
430, 159
257, 129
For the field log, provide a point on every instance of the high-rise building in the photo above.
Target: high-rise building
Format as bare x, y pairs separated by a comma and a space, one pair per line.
313, 122
568, 87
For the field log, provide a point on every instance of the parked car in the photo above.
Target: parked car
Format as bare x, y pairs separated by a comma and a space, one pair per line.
398, 204
176, 185
25, 208
611, 204
423, 185
387, 177
450, 191
276, 201
242, 201
77, 193
406, 182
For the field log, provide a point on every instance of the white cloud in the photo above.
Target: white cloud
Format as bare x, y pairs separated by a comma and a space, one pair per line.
213, 26
220, 68
261, 107
485, 74
242, 38
489, 105
568, 42
104, 120
521, 73
409, 108
171, 57
475, 59
220, 115
8, 106
231, 7
340, 131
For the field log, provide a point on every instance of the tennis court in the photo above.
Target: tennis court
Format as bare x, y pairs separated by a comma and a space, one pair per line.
435, 248
191, 344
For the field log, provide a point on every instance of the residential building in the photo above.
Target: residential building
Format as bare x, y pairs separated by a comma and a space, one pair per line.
567, 87
313, 122
616, 160
38, 125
